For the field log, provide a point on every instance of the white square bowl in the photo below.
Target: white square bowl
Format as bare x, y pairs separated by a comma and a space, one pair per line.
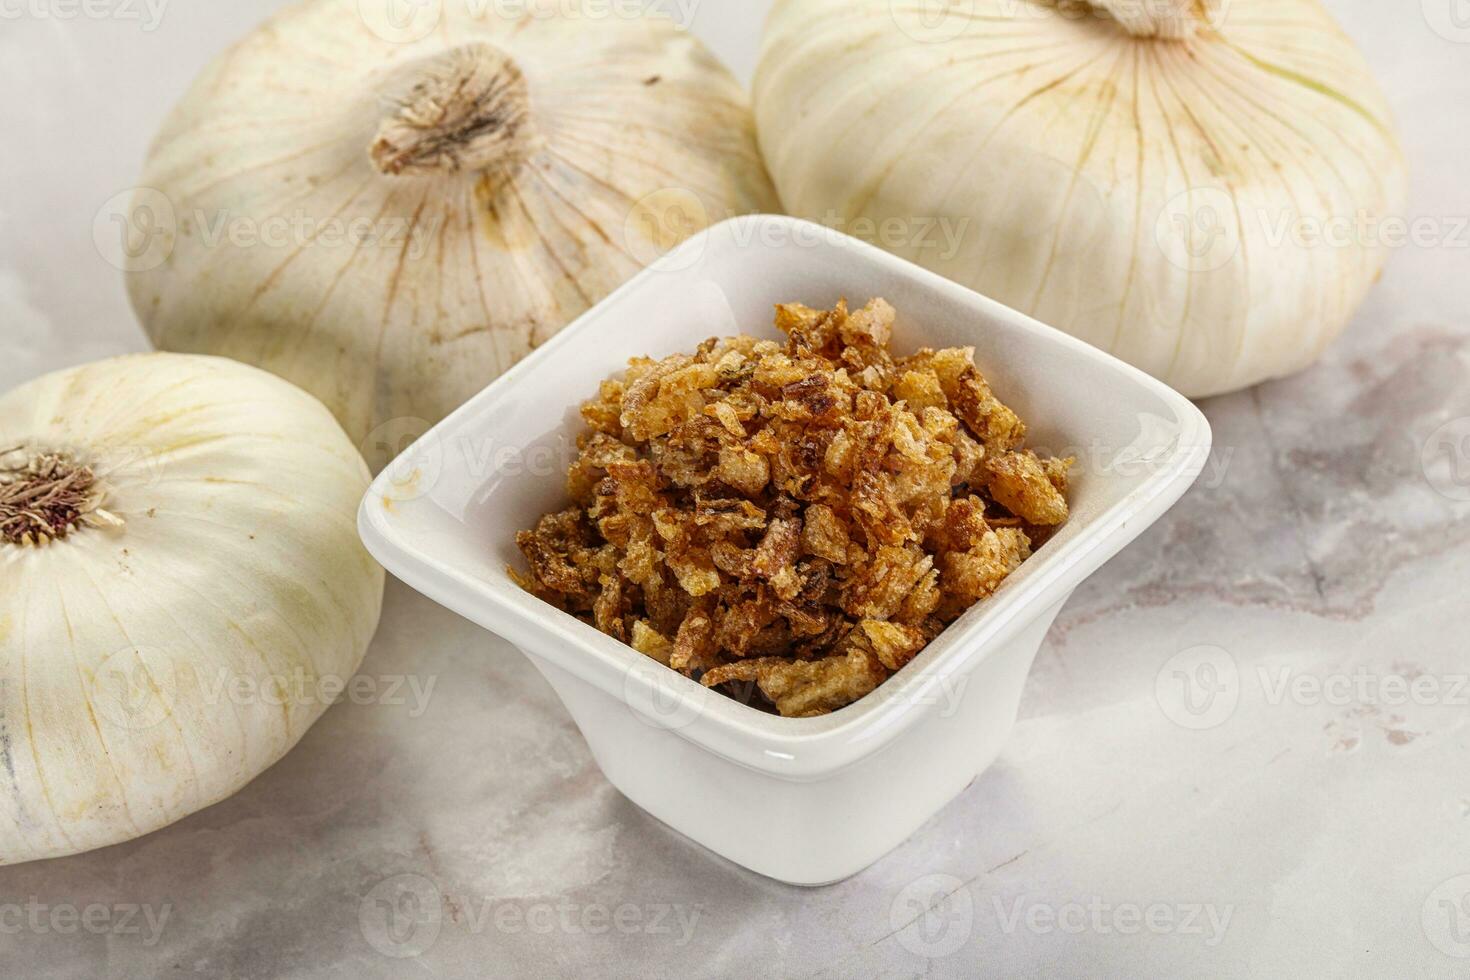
807, 801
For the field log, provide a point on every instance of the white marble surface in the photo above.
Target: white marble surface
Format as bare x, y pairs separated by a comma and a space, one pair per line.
1312, 831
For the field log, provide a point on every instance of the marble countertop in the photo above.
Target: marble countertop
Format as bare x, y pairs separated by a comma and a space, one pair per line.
1242, 751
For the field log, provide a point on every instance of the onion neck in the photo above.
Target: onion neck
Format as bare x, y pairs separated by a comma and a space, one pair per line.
468, 108
47, 496
1165, 20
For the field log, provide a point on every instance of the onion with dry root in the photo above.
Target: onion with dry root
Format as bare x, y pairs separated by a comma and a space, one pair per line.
1198, 186
179, 575
390, 217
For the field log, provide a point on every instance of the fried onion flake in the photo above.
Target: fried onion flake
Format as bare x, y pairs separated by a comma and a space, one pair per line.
794, 522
